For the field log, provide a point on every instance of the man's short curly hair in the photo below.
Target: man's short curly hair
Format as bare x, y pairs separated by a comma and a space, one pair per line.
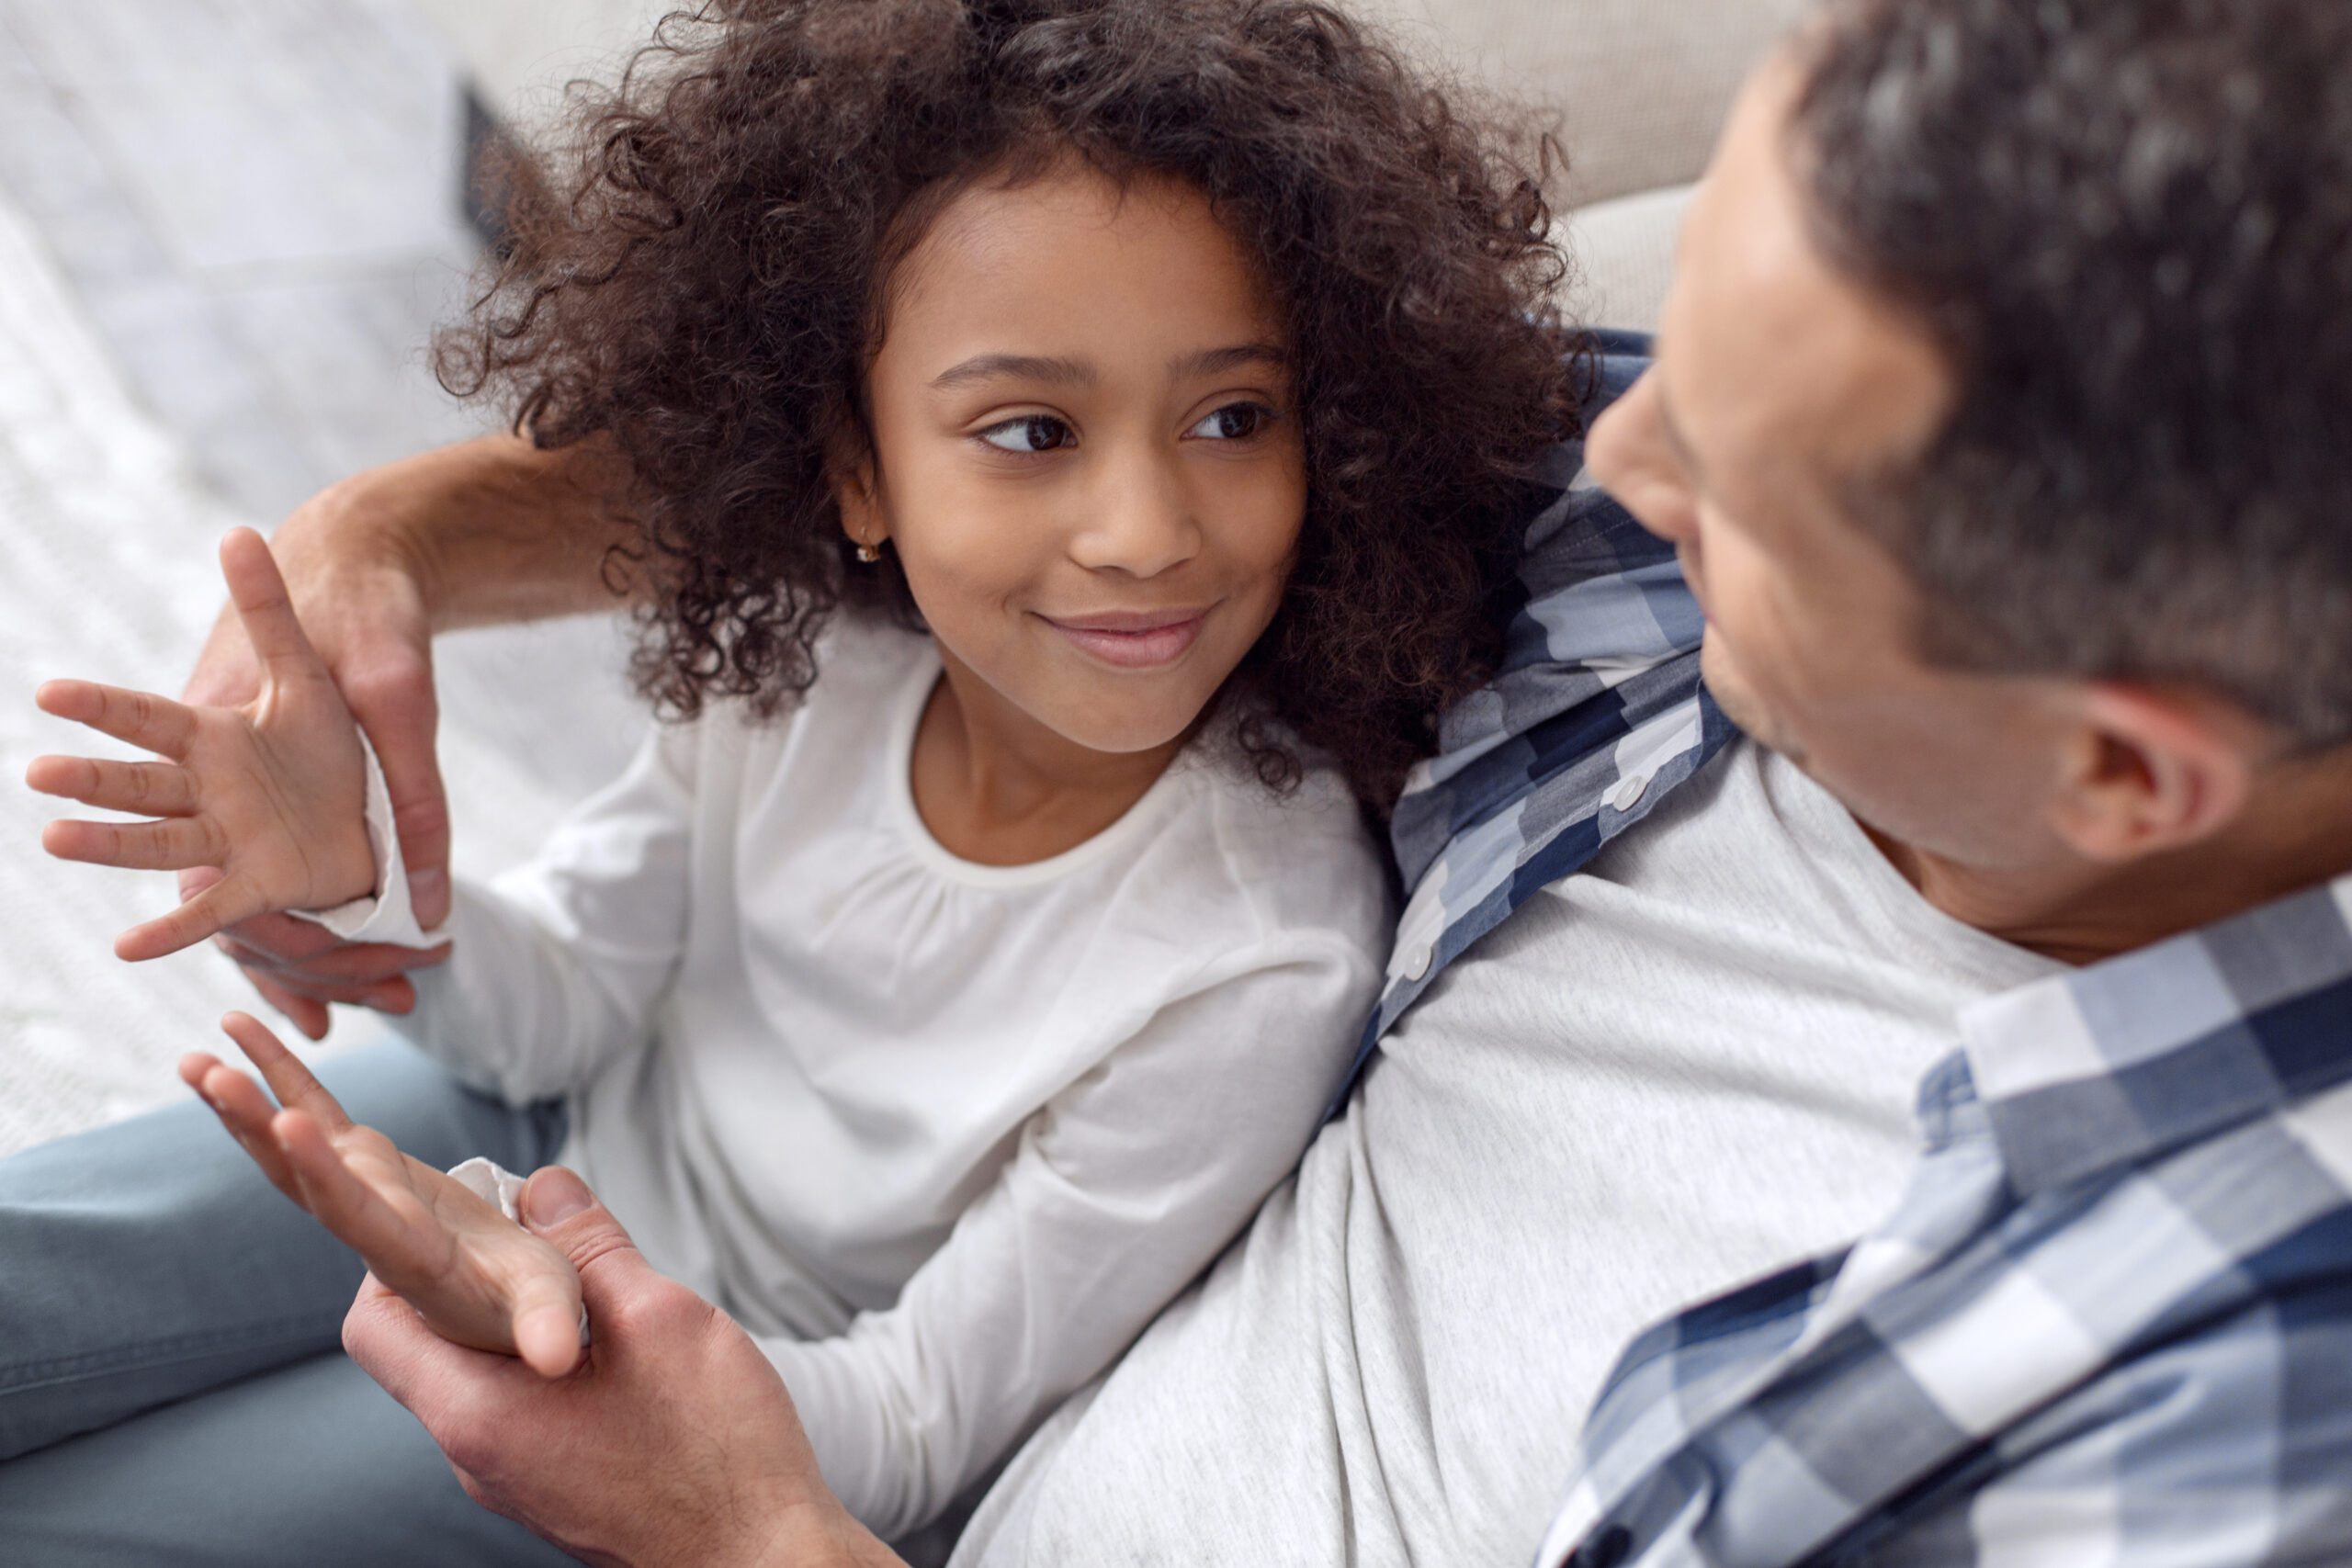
701, 295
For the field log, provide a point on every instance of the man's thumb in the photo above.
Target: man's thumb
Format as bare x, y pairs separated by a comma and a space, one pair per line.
553, 1196
557, 1205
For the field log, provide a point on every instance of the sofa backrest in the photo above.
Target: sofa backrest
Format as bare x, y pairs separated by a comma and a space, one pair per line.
1639, 88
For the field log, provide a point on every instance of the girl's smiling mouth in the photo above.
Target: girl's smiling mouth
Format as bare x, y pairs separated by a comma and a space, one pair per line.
1131, 640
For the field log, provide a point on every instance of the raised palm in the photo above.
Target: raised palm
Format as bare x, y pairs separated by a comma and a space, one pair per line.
273, 793
474, 1275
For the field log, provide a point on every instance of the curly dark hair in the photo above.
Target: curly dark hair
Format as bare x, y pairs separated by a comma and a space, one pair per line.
702, 293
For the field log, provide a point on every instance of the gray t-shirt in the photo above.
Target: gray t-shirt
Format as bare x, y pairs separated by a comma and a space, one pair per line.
1689, 1064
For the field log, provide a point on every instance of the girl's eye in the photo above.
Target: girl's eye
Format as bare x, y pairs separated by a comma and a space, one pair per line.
1234, 422
1030, 434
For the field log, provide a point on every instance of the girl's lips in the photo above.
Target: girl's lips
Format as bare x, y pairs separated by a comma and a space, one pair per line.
1132, 642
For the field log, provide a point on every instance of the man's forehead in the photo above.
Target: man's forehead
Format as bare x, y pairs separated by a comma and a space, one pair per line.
1771, 353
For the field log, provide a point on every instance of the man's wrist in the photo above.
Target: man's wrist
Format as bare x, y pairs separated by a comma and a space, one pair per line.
487, 532
819, 1535
361, 528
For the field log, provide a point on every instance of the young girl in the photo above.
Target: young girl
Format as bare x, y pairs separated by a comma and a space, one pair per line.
1072, 445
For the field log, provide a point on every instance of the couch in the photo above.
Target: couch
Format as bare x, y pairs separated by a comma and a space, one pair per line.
1639, 87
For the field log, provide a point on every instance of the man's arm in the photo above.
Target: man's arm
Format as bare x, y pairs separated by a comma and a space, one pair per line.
483, 532
674, 1443
492, 530
2227, 1445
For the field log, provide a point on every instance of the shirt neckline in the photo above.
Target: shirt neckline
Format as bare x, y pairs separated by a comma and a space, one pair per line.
899, 757
1929, 935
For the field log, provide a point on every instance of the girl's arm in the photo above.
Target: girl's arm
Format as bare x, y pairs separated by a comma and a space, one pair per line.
1124, 1188
560, 965
555, 968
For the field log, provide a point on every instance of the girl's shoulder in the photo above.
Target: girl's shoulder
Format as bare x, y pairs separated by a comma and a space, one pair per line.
1303, 857
866, 674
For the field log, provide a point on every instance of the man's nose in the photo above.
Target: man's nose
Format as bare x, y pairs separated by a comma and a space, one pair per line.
1628, 453
1141, 521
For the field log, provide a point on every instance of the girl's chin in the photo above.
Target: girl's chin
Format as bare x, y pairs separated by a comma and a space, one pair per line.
1124, 721
1126, 738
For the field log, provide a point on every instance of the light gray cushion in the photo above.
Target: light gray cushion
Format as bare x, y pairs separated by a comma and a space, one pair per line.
1624, 252
1641, 85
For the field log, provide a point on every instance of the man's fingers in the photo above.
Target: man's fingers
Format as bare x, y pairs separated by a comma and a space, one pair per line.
395, 997
293, 1083
145, 720
392, 1343
151, 789
395, 703
305, 1013
265, 608
175, 844
359, 964
221, 905
557, 1204
273, 941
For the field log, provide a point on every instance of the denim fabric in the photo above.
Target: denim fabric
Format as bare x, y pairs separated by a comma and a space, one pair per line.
172, 1382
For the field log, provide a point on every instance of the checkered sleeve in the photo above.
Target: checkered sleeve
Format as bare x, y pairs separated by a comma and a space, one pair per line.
2230, 1444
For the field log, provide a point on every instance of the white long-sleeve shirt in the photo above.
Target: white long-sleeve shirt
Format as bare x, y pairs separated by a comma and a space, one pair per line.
945, 1136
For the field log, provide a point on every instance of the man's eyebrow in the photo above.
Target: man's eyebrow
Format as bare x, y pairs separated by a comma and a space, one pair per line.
1021, 366
1217, 361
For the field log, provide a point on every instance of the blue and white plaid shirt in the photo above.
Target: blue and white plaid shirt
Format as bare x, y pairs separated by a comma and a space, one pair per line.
2110, 1322
1596, 716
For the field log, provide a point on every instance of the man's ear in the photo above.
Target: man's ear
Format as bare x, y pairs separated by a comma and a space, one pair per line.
2150, 771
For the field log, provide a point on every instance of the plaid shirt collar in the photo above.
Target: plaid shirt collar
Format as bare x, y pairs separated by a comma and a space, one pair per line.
2132, 1209
1596, 714
2118, 1062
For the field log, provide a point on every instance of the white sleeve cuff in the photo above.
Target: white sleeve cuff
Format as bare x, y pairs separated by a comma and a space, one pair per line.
385, 915
493, 1183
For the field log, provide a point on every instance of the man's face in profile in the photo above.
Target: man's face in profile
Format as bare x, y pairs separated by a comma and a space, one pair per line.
1781, 389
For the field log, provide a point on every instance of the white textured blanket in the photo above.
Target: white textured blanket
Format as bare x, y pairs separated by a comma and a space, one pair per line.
108, 571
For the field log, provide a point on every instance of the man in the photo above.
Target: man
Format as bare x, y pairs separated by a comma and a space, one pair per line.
1997, 424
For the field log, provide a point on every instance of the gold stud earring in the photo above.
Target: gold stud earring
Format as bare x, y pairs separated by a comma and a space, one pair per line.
867, 553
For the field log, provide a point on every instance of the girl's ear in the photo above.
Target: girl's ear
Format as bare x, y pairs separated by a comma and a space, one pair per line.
857, 490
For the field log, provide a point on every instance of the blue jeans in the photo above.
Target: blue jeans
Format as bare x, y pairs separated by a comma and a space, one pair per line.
172, 1387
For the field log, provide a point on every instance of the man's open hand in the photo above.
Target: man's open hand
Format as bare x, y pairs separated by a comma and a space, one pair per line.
674, 1444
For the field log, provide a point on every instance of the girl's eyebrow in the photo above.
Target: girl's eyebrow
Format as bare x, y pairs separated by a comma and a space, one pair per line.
1073, 372
1217, 361
1026, 368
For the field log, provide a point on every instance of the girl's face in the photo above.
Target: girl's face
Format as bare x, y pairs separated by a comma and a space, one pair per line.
1086, 452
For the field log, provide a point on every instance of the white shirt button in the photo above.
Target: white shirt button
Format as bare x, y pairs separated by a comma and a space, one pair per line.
1416, 962
1629, 791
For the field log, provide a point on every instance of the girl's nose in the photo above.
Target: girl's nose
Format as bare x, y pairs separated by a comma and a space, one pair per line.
1141, 522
